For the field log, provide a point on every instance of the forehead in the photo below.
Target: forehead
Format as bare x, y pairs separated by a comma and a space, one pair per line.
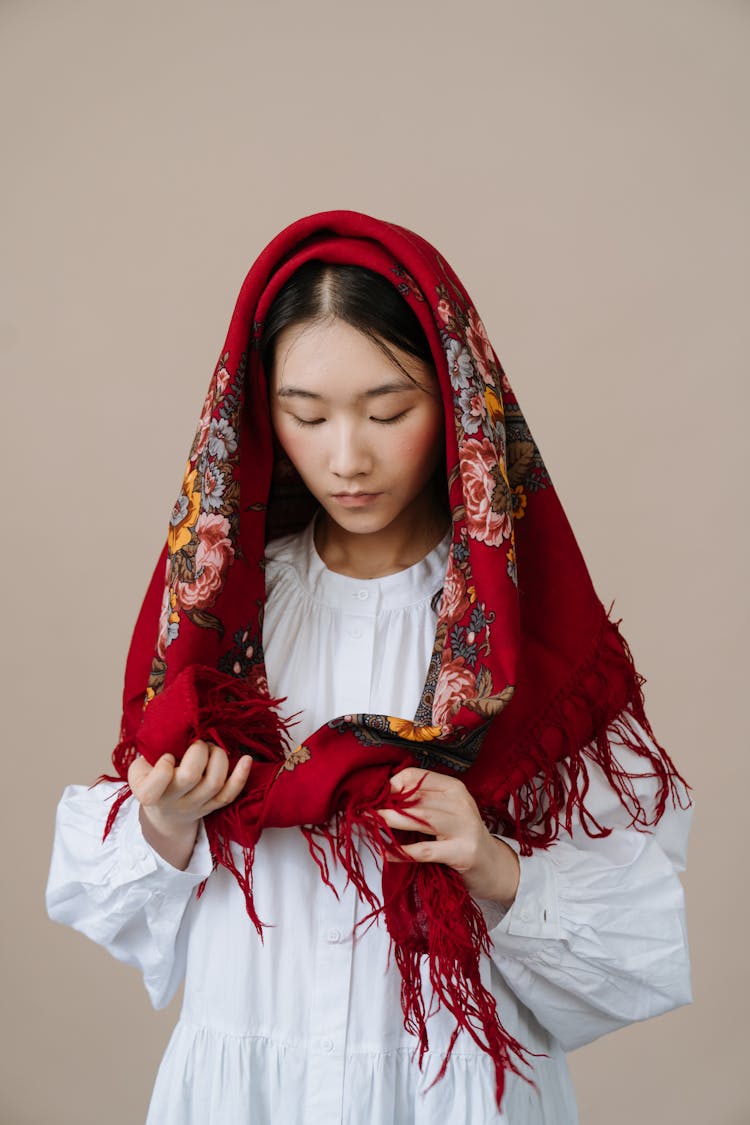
331, 355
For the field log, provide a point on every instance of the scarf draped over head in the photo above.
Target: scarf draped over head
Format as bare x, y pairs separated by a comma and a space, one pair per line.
529, 678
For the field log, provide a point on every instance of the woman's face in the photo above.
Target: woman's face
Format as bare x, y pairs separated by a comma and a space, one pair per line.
365, 438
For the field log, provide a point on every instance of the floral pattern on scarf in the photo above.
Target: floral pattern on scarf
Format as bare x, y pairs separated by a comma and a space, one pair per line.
204, 521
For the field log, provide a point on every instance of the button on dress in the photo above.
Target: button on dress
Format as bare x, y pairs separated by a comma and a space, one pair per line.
306, 1027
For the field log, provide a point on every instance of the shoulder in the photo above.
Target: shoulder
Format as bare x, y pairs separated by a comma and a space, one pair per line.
284, 550
286, 557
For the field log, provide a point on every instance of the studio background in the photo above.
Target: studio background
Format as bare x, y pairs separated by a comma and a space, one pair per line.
584, 166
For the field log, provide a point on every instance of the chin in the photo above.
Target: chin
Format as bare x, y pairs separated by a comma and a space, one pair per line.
360, 522
362, 526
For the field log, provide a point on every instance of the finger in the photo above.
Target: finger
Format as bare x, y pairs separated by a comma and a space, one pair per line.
410, 778
138, 770
430, 804
446, 797
429, 851
393, 851
232, 787
439, 819
409, 820
214, 775
148, 782
426, 786
191, 768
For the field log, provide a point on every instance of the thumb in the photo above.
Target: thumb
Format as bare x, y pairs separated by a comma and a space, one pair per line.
138, 771
146, 780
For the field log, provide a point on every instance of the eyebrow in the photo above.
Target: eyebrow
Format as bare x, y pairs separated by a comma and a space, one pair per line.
374, 392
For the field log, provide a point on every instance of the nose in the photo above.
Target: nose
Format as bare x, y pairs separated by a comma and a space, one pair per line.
350, 453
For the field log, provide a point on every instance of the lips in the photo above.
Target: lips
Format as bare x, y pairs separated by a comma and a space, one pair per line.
355, 499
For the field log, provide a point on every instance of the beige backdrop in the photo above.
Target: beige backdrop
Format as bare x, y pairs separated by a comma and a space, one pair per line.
584, 165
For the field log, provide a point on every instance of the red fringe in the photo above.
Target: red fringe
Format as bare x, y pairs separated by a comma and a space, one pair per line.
228, 712
452, 938
429, 914
358, 821
546, 786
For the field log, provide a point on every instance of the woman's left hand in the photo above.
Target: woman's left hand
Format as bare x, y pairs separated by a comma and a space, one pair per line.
444, 808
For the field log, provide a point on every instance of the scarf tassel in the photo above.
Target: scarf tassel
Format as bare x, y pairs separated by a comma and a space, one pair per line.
548, 786
448, 947
436, 929
212, 706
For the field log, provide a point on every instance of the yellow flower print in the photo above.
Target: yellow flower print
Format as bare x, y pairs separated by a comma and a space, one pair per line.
185, 513
295, 758
174, 615
494, 404
404, 728
472, 592
519, 502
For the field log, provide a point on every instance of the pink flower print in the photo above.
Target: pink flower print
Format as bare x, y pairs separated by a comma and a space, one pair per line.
444, 310
473, 409
204, 425
221, 381
161, 641
486, 493
213, 556
480, 346
455, 600
456, 683
257, 679
216, 392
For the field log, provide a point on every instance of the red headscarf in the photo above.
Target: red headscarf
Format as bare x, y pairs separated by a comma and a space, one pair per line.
528, 680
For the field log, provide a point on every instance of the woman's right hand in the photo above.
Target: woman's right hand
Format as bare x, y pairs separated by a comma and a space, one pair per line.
174, 798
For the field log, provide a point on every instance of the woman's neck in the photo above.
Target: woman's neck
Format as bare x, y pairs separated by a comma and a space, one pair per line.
400, 545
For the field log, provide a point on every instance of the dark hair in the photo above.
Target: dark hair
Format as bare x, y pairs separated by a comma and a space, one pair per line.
320, 290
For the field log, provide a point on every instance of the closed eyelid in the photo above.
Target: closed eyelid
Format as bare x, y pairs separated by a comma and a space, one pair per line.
393, 418
373, 418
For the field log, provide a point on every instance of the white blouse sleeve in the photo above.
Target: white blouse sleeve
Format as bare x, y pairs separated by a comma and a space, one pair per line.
596, 937
120, 892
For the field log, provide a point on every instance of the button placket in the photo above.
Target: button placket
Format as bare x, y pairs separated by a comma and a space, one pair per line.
358, 641
329, 1009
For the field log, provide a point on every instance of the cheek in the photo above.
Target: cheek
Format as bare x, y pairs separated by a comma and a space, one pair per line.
292, 439
423, 447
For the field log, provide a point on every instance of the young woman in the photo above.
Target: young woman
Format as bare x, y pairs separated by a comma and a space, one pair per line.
393, 810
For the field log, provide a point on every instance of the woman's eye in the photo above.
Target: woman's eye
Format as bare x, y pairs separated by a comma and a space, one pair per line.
308, 421
389, 421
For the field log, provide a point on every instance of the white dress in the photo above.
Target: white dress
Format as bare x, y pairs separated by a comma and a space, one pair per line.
306, 1028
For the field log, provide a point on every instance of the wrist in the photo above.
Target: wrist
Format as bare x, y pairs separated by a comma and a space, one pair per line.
505, 873
173, 842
